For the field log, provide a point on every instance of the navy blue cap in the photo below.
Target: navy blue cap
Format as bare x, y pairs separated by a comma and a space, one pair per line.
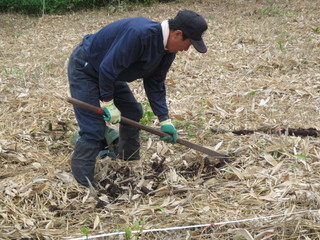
193, 26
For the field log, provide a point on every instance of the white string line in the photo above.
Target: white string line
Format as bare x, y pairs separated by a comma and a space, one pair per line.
195, 226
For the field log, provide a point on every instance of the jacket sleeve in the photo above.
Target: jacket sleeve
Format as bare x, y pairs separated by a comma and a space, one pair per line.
155, 88
123, 52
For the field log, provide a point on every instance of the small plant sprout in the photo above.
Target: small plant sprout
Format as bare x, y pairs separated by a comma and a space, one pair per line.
280, 42
277, 154
252, 93
159, 208
137, 228
139, 225
128, 233
315, 30
85, 231
293, 167
301, 156
271, 10
192, 133
147, 114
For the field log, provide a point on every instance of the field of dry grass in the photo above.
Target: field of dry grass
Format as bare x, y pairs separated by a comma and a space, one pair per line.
261, 71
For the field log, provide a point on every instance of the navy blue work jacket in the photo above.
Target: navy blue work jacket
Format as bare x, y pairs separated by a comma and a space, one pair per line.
127, 50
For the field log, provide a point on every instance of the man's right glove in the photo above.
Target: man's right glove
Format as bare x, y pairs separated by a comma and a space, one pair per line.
167, 127
112, 112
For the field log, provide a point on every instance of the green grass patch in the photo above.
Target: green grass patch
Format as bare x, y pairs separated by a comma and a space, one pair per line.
39, 7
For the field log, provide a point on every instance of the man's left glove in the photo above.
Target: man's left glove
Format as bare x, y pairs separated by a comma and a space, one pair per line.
112, 112
167, 127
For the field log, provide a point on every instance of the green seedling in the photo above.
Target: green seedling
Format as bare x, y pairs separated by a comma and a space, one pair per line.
180, 124
261, 145
144, 137
280, 42
273, 10
301, 156
252, 93
10, 71
270, 11
276, 154
239, 29
85, 231
288, 13
191, 128
137, 227
315, 30
192, 133
147, 114
128, 233
207, 135
200, 122
293, 167
43, 67
159, 208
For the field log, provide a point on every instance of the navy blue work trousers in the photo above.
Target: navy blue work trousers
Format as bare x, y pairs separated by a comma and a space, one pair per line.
84, 85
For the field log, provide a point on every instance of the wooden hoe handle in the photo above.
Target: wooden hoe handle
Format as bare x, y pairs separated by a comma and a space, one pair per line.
157, 132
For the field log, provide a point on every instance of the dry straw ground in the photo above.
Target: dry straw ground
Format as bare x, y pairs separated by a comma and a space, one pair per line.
262, 70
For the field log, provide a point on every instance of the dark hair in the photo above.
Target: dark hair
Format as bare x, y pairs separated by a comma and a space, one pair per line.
173, 25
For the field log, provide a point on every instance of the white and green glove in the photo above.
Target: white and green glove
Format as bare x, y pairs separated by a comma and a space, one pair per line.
167, 127
113, 114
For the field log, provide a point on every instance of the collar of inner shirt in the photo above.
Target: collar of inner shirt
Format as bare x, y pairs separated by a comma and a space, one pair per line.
165, 32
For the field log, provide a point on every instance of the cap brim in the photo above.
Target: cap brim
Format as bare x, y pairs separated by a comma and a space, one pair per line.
199, 45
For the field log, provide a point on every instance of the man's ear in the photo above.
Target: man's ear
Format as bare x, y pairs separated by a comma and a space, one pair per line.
177, 33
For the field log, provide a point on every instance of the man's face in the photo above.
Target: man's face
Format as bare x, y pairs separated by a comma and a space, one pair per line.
176, 43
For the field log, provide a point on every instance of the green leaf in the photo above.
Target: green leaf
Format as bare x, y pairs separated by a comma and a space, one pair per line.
316, 30
128, 233
252, 93
159, 208
142, 222
136, 225
85, 230
302, 156
192, 133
